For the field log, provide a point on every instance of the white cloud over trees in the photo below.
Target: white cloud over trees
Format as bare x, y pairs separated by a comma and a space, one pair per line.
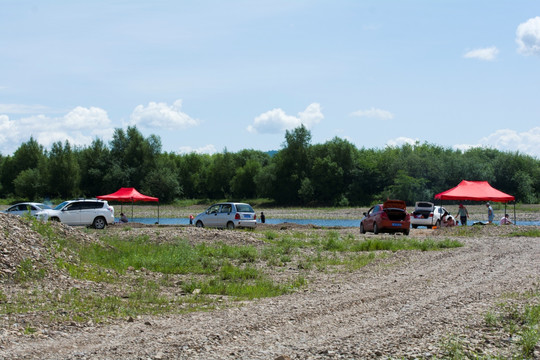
162, 115
276, 121
79, 126
526, 142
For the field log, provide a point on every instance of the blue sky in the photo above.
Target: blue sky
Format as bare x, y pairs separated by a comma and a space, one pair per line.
212, 75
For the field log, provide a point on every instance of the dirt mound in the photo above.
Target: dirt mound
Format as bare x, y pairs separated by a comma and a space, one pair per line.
18, 242
21, 243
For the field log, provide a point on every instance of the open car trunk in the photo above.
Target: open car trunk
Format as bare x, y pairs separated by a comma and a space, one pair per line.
395, 209
423, 209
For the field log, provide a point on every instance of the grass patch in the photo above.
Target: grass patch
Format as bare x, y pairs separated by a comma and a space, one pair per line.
405, 244
534, 232
467, 231
137, 275
27, 271
516, 323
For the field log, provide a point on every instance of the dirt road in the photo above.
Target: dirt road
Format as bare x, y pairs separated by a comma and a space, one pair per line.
404, 306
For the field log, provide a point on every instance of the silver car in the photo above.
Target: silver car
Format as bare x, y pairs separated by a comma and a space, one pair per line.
25, 208
228, 215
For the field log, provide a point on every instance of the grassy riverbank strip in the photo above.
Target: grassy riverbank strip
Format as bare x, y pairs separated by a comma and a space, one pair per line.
122, 275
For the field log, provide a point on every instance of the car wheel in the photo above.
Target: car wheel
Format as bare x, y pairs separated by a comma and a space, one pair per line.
230, 225
375, 228
438, 223
99, 223
362, 230
54, 219
406, 232
199, 224
414, 226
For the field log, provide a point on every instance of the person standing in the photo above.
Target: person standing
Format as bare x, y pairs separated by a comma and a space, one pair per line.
190, 219
490, 213
263, 218
463, 214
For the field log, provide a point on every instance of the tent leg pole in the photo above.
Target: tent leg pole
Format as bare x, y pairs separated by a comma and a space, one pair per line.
515, 221
158, 212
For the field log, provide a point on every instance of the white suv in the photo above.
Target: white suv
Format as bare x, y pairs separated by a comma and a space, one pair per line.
83, 212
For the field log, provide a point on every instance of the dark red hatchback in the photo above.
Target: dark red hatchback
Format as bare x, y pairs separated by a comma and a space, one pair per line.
389, 217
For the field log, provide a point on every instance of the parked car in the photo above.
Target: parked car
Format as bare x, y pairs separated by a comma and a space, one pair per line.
427, 214
26, 207
391, 216
82, 212
228, 215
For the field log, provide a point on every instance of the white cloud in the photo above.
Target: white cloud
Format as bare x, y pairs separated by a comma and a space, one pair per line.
161, 115
22, 109
276, 120
397, 142
510, 140
208, 149
528, 37
374, 114
487, 54
6, 128
527, 142
80, 126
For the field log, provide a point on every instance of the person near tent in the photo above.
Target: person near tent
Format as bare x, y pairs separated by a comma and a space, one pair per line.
448, 221
191, 219
490, 213
505, 220
463, 214
123, 218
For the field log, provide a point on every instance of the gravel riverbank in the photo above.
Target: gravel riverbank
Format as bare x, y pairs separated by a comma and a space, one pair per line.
405, 305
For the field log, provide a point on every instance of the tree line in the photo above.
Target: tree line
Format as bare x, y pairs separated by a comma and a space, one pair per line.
335, 173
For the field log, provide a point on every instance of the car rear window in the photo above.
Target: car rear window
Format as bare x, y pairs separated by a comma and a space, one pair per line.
244, 208
424, 204
91, 205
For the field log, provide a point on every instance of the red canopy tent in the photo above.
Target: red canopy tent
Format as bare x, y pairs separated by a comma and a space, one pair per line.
129, 195
476, 191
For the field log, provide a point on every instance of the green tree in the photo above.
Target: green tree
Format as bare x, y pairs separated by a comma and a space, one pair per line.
94, 163
29, 184
331, 172
162, 182
219, 175
191, 174
64, 174
292, 166
524, 187
243, 182
265, 181
133, 157
406, 188
30, 155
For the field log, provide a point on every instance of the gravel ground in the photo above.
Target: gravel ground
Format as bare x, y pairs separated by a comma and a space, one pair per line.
402, 306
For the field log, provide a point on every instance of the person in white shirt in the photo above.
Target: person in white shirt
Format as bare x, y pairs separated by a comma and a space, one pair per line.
505, 220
